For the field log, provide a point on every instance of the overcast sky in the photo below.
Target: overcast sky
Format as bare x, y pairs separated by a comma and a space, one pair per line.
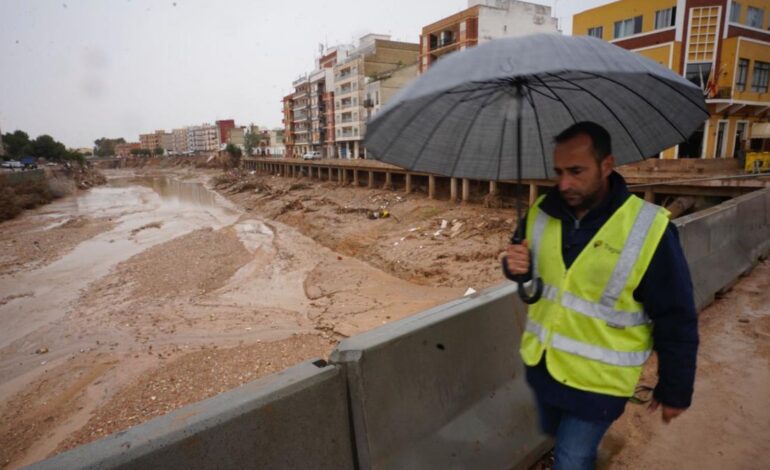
83, 69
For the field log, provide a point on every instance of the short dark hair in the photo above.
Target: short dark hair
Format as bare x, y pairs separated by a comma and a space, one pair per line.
600, 138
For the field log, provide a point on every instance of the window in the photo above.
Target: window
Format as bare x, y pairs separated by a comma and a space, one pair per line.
735, 12
628, 27
665, 18
760, 77
741, 74
698, 74
596, 32
754, 17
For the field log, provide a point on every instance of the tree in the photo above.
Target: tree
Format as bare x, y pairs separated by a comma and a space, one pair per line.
157, 151
235, 154
17, 144
251, 141
105, 147
47, 147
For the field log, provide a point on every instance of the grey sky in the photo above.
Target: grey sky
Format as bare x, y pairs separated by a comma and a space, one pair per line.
83, 69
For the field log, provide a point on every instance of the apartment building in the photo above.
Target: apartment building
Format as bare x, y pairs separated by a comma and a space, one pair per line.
203, 138
375, 56
167, 142
152, 141
318, 83
288, 124
482, 21
723, 46
179, 141
301, 116
224, 126
237, 136
124, 150
275, 142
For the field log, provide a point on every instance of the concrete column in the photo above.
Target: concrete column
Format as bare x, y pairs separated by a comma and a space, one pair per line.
355, 149
388, 181
408, 187
330, 173
466, 189
355, 177
493, 188
344, 176
532, 194
339, 175
649, 195
371, 180
431, 187
453, 189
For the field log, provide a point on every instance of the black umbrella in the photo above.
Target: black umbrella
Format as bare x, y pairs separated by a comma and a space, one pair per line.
491, 112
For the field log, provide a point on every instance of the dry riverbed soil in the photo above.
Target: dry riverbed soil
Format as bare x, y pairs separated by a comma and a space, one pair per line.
301, 265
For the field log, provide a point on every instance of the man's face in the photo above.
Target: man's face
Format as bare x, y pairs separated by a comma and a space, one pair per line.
582, 180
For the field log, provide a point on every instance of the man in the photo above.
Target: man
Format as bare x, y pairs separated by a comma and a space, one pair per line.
616, 286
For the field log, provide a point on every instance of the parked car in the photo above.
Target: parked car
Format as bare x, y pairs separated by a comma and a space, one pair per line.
313, 155
12, 164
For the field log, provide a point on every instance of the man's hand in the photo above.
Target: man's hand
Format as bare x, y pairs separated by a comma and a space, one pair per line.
517, 258
667, 413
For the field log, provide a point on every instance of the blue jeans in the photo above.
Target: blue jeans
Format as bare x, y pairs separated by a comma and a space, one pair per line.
576, 439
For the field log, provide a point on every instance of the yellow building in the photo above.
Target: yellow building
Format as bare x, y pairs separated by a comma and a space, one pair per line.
721, 45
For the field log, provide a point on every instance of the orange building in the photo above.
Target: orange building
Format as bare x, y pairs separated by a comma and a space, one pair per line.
482, 21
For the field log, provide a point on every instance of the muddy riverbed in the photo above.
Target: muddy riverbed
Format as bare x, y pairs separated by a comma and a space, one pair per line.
152, 292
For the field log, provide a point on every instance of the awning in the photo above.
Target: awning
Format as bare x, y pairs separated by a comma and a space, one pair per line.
760, 130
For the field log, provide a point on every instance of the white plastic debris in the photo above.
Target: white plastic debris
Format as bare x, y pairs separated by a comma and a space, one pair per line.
444, 224
413, 229
470, 291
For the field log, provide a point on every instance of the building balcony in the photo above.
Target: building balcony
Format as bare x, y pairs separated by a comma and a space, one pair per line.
347, 106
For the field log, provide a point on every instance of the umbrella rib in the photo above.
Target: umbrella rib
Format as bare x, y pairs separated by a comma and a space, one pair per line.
697, 105
432, 133
467, 133
531, 101
539, 92
638, 149
480, 95
638, 95
559, 99
502, 140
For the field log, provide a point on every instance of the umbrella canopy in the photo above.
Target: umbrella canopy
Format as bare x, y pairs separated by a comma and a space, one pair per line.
460, 118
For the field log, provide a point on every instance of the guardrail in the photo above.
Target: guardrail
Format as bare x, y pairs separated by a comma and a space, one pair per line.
441, 389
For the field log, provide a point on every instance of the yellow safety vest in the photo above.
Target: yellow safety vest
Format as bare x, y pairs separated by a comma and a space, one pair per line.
597, 336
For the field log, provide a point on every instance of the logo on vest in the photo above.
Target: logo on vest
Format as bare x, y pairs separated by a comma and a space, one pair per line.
606, 246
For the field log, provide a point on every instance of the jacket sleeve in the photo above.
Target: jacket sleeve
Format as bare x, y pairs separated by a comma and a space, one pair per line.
667, 295
517, 277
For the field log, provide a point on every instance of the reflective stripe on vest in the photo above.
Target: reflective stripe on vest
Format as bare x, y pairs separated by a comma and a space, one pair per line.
608, 356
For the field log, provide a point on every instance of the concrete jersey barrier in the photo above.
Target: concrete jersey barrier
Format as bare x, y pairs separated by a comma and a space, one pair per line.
444, 388
294, 419
724, 242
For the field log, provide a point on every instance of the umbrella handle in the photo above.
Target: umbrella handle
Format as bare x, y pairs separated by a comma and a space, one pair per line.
525, 296
528, 298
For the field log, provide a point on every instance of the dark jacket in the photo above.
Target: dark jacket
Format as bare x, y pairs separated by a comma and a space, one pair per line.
667, 295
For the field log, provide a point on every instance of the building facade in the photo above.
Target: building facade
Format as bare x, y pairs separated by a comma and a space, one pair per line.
179, 141
288, 124
376, 55
203, 138
483, 21
224, 126
124, 150
152, 141
301, 116
723, 46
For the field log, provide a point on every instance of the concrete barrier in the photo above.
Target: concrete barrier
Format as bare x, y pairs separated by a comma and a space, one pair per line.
724, 242
444, 388
295, 419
